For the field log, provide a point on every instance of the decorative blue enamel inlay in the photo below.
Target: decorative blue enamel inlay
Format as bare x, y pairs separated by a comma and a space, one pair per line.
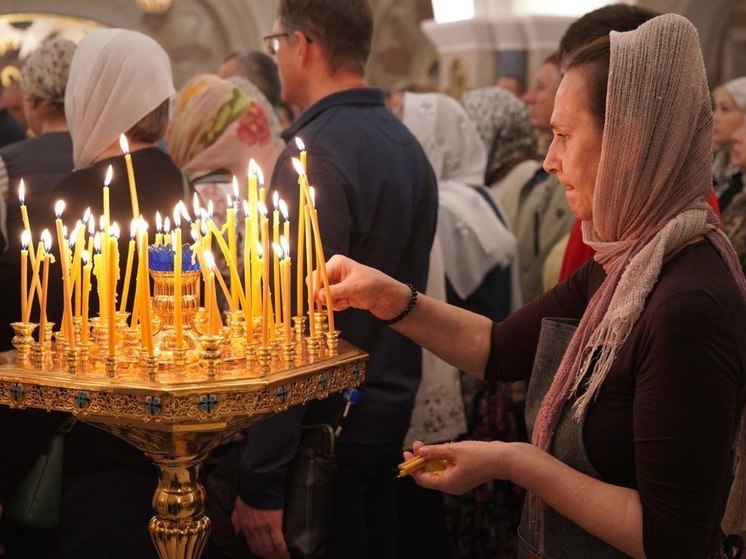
282, 393
356, 372
82, 399
16, 391
322, 381
152, 405
208, 403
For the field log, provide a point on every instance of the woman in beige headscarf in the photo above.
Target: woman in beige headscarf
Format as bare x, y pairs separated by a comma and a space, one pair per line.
633, 412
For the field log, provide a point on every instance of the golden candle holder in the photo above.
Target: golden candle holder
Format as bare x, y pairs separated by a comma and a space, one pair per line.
264, 357
178, 417
332, 341
163, 307
299, 326
23, 340
210, 354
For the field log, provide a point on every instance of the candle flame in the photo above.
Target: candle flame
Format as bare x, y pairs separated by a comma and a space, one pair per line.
142, 225
246, 208
158, 222
101, 220
209, 260
253, 167
25, 239
85, 257
260, 176
284, 210
259, 251
229, 201
195, 205
210, 209
300, 144
123, 144
235, 187
91, 226
261, 206
46, 239
64, 231
71, 240
59, 207
97, 243
133, 228
167, 225
203, 227
312, 194
184, 212
109, 176
114, 230
277, 249
298, 167
86, 214
285, 246
22, 192
276, 200
177, 217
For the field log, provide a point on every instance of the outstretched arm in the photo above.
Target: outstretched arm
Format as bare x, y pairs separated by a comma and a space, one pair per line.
460, 337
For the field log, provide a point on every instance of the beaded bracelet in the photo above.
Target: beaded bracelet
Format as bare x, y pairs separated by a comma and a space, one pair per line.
407, 310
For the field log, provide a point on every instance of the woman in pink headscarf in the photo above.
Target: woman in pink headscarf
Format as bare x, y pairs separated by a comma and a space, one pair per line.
637, 386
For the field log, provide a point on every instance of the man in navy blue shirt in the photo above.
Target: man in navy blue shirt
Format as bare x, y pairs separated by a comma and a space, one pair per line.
376, 197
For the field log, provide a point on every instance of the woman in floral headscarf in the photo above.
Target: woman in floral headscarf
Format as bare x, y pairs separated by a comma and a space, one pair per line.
216, 129
637, 393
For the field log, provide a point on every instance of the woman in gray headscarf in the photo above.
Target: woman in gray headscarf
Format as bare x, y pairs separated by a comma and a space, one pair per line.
637, 391
729, 113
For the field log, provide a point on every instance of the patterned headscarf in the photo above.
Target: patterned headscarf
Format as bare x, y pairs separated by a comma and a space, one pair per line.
504, 126
117, 77
657, 137
46, 70
216, 126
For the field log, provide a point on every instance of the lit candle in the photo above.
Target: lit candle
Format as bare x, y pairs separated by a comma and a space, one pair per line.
210, 295
309, 267
285, 277
67, 316
231, 265
320, 260
167, 231
25, 241
130, 176
107, 209
46, 256
112, 273
265, 297
77, 240
286, 216
303, 154
143, 280
158, 229
276, 256
128, 269
91, 234
86, 291
247, 270
230, 216
178, 325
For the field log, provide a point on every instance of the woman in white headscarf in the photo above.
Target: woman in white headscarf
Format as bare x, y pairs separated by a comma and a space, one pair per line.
637, 392
472, 263
729, 110
120, 83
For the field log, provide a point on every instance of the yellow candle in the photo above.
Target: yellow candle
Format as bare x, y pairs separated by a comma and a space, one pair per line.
128, 269
285, 289
303, 153
111, 293
229, 260
178, 325
78, 237
309, 267
276, 256
67, 316
230, 214
167, 231
265, 298
321, 262
130, 176
25, 240
46, 256
210, 296
253, 174
107, 210
146, 329
86, 290
24, 215
158, 229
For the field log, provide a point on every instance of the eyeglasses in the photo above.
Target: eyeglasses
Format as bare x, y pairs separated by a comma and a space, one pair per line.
272, 42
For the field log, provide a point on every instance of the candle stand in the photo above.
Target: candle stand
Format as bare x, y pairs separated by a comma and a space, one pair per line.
177, 419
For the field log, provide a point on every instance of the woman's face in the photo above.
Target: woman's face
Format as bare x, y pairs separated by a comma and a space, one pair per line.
576, 146
738, 149
727, 117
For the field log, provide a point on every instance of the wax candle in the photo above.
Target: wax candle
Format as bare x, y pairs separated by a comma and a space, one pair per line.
67, 317
112, 272
130, 176
178, 298
247, 270
285, 289
107, 209
303, 153
146, 328
128, 269
309, 267
210, 295
320, 259
77, 240
265, 297
276, 257
46, 257
158, 229
86, 258
230, 216
167, 231
25, 241
231, 264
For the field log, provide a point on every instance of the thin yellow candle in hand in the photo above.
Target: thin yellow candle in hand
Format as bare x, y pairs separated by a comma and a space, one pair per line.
128, 269
25, 241
130, 176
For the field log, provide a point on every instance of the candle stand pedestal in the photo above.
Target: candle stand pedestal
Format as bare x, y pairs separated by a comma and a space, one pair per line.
177, 419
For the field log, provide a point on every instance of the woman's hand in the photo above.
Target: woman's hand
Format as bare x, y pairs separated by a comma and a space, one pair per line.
353, 285
470, 463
